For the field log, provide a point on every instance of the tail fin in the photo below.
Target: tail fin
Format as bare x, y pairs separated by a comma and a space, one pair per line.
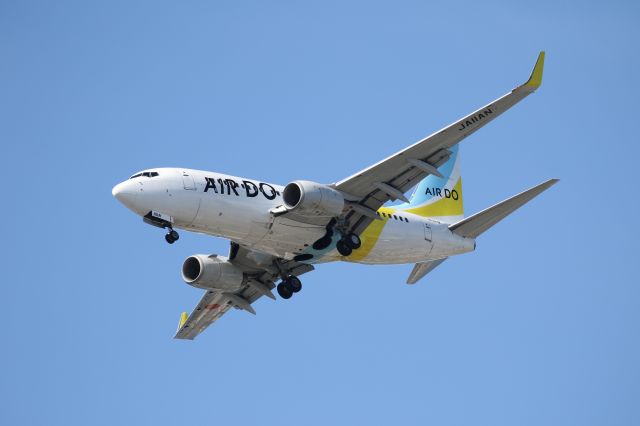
439, 198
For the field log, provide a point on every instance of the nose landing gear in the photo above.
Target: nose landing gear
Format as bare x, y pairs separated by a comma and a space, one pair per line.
172, 236
164, 221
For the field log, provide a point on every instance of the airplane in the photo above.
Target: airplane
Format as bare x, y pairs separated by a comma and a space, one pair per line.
277, 233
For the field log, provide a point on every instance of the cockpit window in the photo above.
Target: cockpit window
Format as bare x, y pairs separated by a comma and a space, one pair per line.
146, 174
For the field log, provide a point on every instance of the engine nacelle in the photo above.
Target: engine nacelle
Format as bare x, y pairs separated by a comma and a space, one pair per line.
312, 199
212, 273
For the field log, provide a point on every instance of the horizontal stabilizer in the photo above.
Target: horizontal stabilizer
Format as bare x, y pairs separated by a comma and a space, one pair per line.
421, 269
473, 226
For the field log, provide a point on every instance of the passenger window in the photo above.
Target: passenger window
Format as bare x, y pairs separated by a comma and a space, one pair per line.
395, 217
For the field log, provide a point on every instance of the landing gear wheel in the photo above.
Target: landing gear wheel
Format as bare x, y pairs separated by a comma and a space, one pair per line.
283, 291
171, 237
293, 284
343, 248
353, 241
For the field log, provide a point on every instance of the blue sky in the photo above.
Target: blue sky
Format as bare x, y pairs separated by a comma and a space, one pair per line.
539, 326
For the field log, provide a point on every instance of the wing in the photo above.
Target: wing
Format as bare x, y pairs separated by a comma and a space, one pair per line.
261, 270
389, 179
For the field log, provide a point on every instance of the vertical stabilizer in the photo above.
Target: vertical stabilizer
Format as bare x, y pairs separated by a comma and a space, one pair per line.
439, 198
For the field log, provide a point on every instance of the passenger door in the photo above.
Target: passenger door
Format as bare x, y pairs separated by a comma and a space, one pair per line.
188, 181
428, 236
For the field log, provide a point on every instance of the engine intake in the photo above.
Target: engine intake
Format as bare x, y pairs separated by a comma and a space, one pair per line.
212, 273
312, 199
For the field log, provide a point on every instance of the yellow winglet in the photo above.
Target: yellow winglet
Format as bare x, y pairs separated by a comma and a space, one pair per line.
183, 319
536, 75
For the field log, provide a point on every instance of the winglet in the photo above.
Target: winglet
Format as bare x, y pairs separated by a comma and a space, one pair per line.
183, 319
536, 75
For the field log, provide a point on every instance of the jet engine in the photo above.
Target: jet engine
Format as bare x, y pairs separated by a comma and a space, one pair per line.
212, 273
312, 199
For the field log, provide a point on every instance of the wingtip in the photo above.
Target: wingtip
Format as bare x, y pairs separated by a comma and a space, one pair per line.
535, 80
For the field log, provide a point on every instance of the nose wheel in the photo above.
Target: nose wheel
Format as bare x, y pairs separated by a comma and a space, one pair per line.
172, 236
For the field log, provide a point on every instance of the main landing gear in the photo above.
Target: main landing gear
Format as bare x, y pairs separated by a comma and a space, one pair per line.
348, 243
345, 245
172, 236
288, 286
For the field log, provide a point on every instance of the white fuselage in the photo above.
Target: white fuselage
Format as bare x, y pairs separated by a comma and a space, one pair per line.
239, 209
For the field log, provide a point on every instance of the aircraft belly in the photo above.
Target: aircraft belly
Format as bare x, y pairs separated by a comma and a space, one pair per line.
291, 237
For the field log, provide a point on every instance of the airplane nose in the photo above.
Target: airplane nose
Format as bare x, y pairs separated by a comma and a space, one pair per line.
125, 193
116, 190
